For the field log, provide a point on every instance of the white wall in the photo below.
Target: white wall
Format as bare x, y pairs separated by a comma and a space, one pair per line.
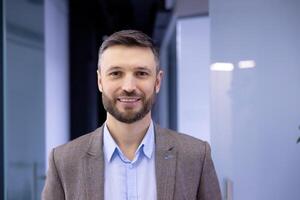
193, 76
182, 9
256, 111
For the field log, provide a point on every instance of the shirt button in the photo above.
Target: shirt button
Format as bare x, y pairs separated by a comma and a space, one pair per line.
130, 166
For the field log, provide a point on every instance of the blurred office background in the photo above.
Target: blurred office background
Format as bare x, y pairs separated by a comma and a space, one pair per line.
232, 78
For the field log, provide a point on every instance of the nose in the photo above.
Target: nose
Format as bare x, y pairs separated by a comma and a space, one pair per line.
129, 83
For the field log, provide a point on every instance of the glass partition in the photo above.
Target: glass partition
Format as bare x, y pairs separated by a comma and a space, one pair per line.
1, 103
24, 99
255, 103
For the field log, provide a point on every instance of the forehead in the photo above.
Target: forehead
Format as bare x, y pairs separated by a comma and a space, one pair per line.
127, 57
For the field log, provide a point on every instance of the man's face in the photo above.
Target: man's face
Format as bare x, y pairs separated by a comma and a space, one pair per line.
128, 80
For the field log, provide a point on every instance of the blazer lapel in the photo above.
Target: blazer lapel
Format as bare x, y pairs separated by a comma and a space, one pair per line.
165, 164
93, 164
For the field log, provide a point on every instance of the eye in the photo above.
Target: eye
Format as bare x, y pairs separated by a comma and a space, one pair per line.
115, 74
142, 74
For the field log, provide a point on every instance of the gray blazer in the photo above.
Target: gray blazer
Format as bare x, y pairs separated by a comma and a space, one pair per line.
183, 164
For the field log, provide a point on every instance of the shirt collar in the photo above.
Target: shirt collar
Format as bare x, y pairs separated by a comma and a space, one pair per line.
147, 144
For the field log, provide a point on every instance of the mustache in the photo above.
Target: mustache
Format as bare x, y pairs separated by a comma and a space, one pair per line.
130, 94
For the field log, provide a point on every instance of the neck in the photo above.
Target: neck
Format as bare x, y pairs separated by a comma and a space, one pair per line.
128, 136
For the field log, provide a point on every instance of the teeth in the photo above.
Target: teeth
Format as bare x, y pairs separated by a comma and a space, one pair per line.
128, 100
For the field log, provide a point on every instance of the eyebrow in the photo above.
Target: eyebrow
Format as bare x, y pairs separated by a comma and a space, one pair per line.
144, 69
114, 68
120, 68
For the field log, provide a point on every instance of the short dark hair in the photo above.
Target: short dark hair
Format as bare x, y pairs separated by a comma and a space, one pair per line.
130, 38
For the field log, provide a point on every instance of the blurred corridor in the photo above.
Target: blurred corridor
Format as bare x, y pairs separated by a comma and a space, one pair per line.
232, 78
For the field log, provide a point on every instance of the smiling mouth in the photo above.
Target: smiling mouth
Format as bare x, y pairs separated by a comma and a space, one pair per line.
129, 99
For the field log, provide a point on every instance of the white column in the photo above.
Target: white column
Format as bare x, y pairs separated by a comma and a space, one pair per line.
56, 73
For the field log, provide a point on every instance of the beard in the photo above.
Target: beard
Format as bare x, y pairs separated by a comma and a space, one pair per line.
128, 116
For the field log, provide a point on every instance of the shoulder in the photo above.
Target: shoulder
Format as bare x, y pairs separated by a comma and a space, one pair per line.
77, 147
184, 143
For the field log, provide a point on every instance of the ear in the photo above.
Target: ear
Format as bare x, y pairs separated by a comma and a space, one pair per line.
159, 77
99, 80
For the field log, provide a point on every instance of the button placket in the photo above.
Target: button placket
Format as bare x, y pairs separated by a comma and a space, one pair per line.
131, 182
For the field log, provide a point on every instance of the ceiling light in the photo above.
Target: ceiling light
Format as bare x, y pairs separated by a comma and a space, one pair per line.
221, 66
246, 64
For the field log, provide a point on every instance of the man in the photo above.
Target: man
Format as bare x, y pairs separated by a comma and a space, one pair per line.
130, 157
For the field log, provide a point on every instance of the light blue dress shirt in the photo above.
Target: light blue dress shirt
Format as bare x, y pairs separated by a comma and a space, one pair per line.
126, 179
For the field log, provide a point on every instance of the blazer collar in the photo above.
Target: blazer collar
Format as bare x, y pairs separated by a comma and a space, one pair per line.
165, 165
